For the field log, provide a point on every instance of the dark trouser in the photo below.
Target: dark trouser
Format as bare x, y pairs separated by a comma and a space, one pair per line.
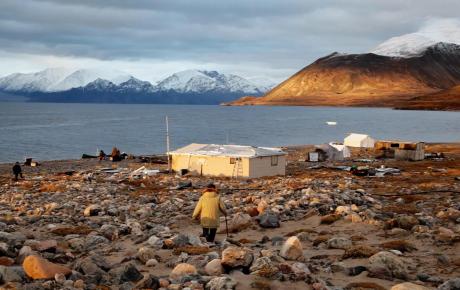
16, 175
209, 234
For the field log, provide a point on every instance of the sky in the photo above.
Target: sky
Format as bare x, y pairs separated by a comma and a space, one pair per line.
152, 39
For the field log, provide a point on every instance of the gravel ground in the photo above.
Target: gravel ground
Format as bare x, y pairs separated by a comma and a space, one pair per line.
56, 166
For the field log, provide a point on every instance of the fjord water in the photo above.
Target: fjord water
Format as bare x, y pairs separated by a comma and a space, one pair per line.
48, 131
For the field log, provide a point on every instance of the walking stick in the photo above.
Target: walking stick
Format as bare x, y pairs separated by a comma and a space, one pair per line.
226, 224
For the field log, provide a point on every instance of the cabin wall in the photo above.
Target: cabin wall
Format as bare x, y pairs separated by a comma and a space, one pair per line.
213, 165
262, 166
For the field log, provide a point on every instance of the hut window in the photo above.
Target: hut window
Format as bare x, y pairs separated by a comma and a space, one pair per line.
274, 160
233, 160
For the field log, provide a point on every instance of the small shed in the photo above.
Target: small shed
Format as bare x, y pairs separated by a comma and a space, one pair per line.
358, 140
229, 160
326, 152
345, 150
413, 151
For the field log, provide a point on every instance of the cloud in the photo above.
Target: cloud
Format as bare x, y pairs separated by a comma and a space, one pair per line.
254, 38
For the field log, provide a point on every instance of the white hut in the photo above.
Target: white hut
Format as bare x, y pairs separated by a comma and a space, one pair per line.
358, 140
344, 149
229, 160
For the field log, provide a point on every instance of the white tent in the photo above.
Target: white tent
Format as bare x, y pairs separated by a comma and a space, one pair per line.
358, 140
343, 148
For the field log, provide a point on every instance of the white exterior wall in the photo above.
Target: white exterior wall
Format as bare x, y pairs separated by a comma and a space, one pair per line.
262, 166
220, 166
214, 166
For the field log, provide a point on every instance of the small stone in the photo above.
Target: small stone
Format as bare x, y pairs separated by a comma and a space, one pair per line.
214, 268
79, 284
60, 278
146, 254
39, 268
221, 283
151, 263
237, 257
47, 246
408, 286
292, 249
181, 270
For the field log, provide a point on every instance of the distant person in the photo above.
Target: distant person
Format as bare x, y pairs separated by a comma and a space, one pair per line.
17, 170
124, 155
102, 155
115, 152
208, 209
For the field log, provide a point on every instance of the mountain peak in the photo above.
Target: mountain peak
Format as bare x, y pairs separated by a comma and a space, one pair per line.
211, 74
416, 43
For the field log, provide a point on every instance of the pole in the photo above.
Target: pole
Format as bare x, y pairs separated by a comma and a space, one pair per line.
167, 143
226, 224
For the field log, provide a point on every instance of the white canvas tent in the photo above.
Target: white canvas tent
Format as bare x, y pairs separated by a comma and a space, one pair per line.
344, 149
358, 140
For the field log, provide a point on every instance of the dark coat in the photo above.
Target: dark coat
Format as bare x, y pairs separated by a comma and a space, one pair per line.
17, 168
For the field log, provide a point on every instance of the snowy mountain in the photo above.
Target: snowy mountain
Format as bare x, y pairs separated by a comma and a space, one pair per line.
185, 82
41, 81
195, 81
263, 83
82, 77
58, 79
415, 44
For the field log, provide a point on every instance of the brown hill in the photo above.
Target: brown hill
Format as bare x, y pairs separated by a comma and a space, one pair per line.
366, 79
445, 100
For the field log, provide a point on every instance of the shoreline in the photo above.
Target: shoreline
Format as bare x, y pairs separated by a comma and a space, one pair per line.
63, 165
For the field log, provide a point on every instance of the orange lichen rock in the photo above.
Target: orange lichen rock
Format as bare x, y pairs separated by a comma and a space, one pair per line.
80, 230
192, 250
296, 232
399, 245
364, 286
321, 239
361, 251
329, 219
266, 272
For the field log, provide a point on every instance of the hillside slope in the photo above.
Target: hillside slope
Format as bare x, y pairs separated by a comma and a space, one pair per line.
366, 79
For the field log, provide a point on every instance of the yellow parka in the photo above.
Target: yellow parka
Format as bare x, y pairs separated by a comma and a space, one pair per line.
208, 208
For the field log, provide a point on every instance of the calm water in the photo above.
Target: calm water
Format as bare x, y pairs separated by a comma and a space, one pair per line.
66, 131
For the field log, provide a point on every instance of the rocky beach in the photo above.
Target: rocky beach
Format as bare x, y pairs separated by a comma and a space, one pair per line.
90, 224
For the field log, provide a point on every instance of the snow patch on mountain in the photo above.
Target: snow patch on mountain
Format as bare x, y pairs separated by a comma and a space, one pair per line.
82, 77
263, 83
414, 44
195, 81
31, 82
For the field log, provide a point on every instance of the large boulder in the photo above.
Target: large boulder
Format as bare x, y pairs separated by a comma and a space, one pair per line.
292, 249
39, 268
8, 274
406, 223
92, 210
182, 270
148, 282
237, 257
146, 254
268, 219
259, 263
385, 265
339, 243
214, 268
408, 286
221, 283
453, 284
129, 273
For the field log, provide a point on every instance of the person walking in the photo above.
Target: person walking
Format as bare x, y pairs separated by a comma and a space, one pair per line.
208, 209
17, 170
